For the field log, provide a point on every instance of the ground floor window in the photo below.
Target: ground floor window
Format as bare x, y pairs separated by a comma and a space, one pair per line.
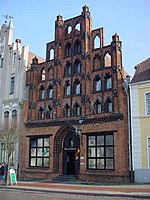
100, 151
39, 152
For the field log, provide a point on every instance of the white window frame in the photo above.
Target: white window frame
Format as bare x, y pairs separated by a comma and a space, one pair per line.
146, 108
148, 151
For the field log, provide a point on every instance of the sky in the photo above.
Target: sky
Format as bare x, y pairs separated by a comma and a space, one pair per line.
34, 23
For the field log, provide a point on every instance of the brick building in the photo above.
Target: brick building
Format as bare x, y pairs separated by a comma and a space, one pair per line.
76, 115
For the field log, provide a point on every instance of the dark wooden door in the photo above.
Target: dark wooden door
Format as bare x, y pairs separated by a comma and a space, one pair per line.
70, 162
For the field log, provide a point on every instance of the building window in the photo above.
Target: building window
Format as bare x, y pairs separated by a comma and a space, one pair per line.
98, 107
3, 153
41, 113
97, 83
77, 67
2, 60
12, 85
43, 75
77, 47
50, 92
14, 113
78, 26
148, 103
67, 111
107, 60
41, 93
67, 88
39, 152
49, 113
96, 42
68, 50
77, 87
77, 110
68, 69
149, 151
108, 105
108, 81
100, 152
51, 54
69, 29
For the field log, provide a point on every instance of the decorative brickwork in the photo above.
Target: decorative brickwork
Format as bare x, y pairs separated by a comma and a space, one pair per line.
82, 94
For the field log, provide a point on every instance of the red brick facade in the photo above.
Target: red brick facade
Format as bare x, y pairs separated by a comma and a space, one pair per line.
77, 88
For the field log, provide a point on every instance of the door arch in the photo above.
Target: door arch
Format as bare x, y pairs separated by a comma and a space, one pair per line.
58, 146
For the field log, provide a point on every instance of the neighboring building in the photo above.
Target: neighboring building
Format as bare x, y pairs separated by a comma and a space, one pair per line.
76, 118
14, 61
140, 121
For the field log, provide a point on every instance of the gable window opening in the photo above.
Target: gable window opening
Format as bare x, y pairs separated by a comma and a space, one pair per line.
68, 49
43, 74
39, 152
12, 85
52, 54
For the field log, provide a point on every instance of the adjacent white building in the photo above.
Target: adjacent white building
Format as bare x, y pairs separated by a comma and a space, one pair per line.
14, 61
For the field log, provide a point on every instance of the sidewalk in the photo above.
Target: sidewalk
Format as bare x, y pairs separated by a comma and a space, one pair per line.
130, 190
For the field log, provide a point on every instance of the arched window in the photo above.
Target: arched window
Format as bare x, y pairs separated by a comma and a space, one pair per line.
97, 83
107, 60
69, 29
77, 67
50, 92
52, 53
6, 118
77, 109
68, 49
77, 47
14, 113
50, 73
108, 81
49, 113
96, 62
41, 113
1, 62
67, 110
41, 93
108, 105
96, 42
78, 26
67, 88
43, 74
68, 69
77, 86
98, 107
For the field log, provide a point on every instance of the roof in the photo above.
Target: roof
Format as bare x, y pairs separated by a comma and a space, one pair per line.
31, 56
142, 72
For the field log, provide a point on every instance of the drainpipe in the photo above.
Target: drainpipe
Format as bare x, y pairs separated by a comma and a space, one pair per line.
125, 85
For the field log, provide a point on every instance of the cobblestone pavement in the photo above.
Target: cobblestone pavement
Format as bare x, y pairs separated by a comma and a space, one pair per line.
6, 194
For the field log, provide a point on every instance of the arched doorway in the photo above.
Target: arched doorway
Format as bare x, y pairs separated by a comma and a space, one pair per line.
71, 145
66, 145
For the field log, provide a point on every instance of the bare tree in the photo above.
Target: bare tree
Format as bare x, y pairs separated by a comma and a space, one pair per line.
9, 136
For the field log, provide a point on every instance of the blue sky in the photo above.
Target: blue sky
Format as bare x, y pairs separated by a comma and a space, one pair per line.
34, 23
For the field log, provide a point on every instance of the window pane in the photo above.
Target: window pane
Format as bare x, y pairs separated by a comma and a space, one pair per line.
99, 108
110, 107
91, 141
78, 88
33, 152
46, 152
98, 85
39, 162
33, 143
100, 151
68, 90
91, 152
46, 162
109, 164
39, 152
109, 139
92, 163
100, 164
109, 152
33, 162
40, 142
46, 142
100, 140
108, 83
